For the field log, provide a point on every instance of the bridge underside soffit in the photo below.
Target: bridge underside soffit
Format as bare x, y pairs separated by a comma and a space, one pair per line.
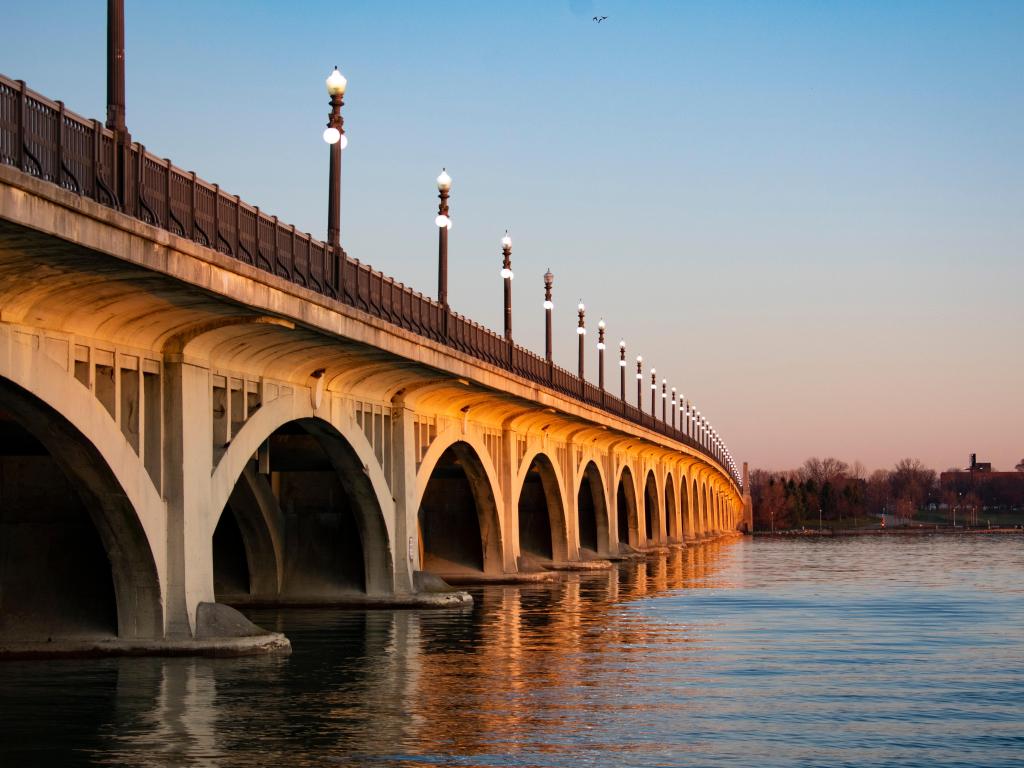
64, 288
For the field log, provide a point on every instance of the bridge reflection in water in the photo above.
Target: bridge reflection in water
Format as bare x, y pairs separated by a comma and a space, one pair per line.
522, 670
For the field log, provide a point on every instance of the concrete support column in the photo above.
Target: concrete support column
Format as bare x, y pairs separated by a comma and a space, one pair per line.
572, 513
188, 461
407, 544
509, 502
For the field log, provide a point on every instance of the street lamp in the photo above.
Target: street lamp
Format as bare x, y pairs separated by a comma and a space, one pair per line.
622, 370
600, 355
581, 332
506, 276
654, 388
673, 408
640, 383
335, 137
549, 280
664, 400
444, 223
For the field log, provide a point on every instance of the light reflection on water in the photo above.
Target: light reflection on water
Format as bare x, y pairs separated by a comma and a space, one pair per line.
877, 651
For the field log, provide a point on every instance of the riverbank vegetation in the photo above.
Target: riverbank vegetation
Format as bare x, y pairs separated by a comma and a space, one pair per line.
830, 493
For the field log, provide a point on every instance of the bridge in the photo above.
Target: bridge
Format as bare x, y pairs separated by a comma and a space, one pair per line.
201, 406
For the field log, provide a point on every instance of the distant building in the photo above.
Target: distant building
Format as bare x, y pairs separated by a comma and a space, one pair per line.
995, 487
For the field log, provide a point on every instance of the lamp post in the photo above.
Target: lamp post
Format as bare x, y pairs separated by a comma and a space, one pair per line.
664, 400
444, 223
506, 276
654, 388
335, 137
673, 408
622, 370
640, 383
581, 333
549, 280
600, 356
115, 98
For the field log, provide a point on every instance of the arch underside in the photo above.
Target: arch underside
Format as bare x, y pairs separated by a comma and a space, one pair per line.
74, 558
302, 523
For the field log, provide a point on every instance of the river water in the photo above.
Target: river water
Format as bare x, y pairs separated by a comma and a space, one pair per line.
894, 651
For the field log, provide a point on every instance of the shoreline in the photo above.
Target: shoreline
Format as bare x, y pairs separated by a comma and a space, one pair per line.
902, 531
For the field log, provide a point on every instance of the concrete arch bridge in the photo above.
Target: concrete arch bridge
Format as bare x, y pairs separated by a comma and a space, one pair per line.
196, 410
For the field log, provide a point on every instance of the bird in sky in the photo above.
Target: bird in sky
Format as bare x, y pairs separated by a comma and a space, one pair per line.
599, 19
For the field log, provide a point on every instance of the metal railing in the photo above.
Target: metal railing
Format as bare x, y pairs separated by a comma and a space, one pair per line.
42, 138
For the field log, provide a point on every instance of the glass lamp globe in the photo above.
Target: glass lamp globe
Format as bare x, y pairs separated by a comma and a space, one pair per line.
332, 135
549, 305
336, 83
444, 181
506, 241
443, 221
506, 274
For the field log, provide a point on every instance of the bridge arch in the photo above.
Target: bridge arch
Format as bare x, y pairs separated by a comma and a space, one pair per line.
79, 522
626, 510
592, 510
457, 490
541, 505
672, 526
324, 488
652, 507
698, 522
685, 512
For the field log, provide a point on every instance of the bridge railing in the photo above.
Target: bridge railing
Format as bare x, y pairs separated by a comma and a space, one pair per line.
42, 138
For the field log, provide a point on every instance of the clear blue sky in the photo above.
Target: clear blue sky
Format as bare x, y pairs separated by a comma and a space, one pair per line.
808, 215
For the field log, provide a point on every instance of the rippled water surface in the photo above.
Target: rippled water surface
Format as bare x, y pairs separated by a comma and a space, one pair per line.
847, 652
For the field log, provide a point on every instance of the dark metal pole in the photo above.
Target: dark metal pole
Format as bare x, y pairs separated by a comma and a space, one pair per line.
115, 99
506, 274
600, 357
640, 383
622, 370
581, 331
654, 388
336, 139
115, 66
549, 280
444, 185
673, 409
664, 401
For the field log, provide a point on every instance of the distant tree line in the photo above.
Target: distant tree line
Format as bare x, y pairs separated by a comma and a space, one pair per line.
832, 493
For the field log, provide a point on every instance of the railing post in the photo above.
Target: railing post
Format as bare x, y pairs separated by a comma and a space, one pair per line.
60, 143
21, 125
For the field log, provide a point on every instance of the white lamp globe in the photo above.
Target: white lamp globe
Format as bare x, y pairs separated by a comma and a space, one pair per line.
444, 181
332, 135
549, 304
506, 241
336, 83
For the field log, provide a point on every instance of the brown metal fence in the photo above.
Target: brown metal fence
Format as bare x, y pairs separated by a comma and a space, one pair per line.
40, 137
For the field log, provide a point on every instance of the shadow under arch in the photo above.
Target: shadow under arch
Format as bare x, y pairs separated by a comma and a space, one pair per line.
458, 516
541, 514
685, 515
626, 509
698, 524
310, 527
652, 510
671, 519
592, 511
74, 556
